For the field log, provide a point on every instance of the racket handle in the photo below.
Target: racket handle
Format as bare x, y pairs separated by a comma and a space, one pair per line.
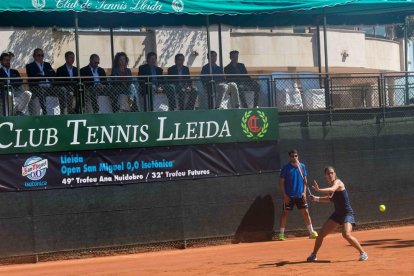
309, 191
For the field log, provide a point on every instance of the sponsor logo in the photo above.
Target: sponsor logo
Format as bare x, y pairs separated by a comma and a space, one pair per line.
39, 4
255, 124
177, 5
35, 168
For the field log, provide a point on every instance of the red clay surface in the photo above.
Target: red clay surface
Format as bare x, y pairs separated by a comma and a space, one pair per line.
391, 252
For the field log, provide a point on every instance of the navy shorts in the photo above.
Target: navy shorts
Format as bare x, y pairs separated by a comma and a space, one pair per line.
299, 202
341, 219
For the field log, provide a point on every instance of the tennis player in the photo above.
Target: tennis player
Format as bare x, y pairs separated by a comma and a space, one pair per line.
343, 215
293, 185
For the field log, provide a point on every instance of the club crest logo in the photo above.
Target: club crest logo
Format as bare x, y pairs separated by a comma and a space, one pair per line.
177, 5
35, 168
255, 125
39, 4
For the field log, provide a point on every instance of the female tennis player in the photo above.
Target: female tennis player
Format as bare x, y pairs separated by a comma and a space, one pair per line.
343, 215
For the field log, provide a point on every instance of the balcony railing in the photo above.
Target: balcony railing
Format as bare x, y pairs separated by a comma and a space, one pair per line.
289, 92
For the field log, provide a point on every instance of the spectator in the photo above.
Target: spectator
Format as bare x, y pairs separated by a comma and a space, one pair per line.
151, 70
227, 93
12, 79
95, 82
123, 82
182, 85
67, 89
41, 74
244, 82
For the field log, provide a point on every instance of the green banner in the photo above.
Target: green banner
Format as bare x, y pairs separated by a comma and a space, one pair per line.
134, 130
169, 6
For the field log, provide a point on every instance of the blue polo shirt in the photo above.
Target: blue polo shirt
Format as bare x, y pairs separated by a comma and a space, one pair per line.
293, 180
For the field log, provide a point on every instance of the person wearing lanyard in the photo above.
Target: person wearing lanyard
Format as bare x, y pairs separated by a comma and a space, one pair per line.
94, 82
68, 72
293, 186
40, 75
182, 83
11, 77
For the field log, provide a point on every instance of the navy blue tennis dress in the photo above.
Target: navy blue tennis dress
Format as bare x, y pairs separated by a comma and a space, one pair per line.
343, 210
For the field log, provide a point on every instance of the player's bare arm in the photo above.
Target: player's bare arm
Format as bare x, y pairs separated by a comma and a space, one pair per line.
335, 186
323, 199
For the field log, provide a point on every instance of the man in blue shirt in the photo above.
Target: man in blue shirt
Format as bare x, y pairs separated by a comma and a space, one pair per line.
293, 185
227, 94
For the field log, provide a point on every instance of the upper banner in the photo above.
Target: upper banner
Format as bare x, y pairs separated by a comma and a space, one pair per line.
169, 6
246, 13
135, 130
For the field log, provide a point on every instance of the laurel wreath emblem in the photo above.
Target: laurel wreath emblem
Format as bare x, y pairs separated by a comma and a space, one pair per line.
265, 126
244, 124
245, 128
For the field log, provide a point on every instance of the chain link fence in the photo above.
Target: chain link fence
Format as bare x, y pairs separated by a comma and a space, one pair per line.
399, 89
234, 92
289, 92
355, 92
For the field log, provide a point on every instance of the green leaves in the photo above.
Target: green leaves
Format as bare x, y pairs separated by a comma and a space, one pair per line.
244, 124
245, 127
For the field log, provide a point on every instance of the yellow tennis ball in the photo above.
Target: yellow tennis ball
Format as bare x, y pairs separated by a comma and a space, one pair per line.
382, 208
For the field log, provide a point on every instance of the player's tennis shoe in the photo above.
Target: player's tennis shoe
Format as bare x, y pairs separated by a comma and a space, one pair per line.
312, 258
281, 236
313, 235
363, 256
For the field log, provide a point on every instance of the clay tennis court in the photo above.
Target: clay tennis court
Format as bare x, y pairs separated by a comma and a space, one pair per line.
391, 252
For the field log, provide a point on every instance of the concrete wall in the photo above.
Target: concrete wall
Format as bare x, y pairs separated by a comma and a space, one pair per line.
273, 49
279, 50
56, 43
381, 54
351, 42
190, 42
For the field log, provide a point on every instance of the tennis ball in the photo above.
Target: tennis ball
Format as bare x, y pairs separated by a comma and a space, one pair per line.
382, 208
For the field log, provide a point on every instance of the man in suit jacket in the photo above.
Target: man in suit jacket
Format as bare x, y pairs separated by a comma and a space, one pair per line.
182, 83
68, 87
95, 82
12, 79
44, 73
12, 75
96, 74
151, 70
226, 94
67, 69
244, 83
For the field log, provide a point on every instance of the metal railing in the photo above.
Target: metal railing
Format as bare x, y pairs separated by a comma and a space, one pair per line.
289, 92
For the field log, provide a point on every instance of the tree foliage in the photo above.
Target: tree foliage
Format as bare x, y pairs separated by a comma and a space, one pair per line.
399, 29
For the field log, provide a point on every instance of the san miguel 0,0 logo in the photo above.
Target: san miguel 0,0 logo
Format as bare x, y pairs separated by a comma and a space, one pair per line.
255, 126
35, 168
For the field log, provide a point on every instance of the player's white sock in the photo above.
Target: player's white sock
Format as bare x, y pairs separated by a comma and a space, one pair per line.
282, 230
310, 228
